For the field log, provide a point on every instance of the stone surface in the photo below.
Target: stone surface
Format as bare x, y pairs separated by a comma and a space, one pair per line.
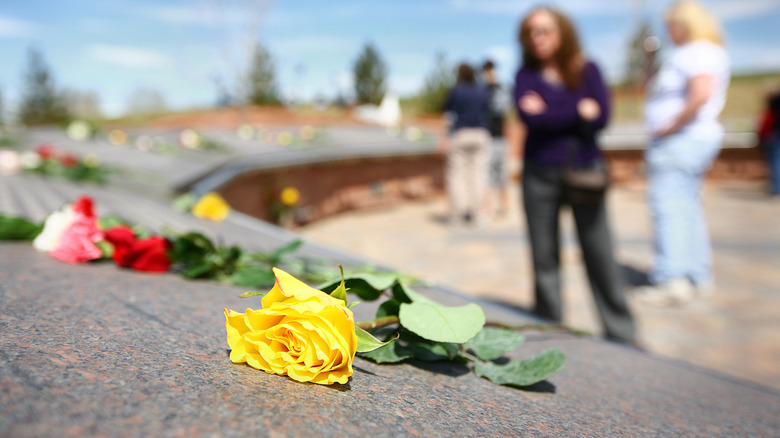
95, 350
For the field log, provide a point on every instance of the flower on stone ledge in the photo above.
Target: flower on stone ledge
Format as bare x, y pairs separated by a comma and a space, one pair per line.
290, 196
300, 332
45, 150
212, 207
71, 233
148, 255
69, 160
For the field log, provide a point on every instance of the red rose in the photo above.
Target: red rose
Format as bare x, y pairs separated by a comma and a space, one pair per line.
69, 160
147, 255
85, 206
45, 150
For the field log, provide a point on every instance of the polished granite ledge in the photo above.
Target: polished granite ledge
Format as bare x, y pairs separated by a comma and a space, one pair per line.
100, 351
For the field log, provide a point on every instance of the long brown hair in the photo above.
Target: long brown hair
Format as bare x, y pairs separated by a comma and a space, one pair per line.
568, 59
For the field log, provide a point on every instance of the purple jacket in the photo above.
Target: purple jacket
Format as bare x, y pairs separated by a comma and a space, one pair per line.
550, 133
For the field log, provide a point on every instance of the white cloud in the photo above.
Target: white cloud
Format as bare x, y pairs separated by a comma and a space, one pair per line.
737, 10
12, 27
207, 14
129, 56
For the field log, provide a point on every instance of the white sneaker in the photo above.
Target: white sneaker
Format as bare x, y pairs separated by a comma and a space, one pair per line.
674, 292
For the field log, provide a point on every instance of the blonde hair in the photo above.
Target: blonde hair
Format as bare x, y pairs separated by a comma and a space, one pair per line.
700, 23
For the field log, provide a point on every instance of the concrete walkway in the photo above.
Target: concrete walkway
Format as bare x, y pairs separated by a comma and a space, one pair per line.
736, 331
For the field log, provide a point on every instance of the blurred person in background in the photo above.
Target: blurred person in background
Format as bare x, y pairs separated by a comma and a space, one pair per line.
769, 139
559, 96
684, 99
498, 104
468, 151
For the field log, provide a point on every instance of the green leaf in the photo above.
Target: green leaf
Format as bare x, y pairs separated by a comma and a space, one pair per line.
252, 276
401, 293
392, 352
184, 202
198, 271
191, 248
340, 293
251, 293
435, 322
406, 295
106, 248
18, 228
433, 352
278, 253
491, 343
367, 286
388, 308
367, 342
525, 372
110, 221
227, 258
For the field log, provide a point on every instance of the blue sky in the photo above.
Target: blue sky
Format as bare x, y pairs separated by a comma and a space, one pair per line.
180, 46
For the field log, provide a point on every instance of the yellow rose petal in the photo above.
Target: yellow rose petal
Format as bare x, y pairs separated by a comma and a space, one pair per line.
300, 332
212, 207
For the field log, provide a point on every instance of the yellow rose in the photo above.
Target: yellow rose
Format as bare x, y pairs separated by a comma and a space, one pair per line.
211, 206
290, 196
300, 332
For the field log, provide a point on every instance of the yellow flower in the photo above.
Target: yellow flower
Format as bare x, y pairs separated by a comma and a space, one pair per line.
284, 138
290, 196
117, 137
91, 160
212, 207
300, 332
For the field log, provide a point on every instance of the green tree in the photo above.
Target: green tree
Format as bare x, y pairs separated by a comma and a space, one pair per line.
41, 103
437, 85
2, 110
262, 89
641, 56
370, 74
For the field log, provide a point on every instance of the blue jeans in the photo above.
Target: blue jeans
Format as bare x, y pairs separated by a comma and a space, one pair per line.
774, 163
676, 168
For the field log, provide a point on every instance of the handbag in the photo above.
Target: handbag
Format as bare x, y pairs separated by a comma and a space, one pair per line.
584, 183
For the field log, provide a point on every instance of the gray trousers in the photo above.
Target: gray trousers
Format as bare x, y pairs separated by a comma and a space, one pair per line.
543, 197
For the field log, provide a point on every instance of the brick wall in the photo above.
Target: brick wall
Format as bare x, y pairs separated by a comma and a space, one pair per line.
330, 188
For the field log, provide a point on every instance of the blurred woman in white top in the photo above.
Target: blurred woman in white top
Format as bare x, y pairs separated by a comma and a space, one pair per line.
684, 100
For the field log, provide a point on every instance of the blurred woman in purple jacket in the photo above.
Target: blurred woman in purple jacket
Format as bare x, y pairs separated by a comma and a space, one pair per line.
562, 100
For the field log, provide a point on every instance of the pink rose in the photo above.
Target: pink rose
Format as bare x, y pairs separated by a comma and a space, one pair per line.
77, 243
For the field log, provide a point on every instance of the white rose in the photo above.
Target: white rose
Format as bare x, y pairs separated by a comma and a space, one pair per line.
53, 228
30, 160
9, 162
